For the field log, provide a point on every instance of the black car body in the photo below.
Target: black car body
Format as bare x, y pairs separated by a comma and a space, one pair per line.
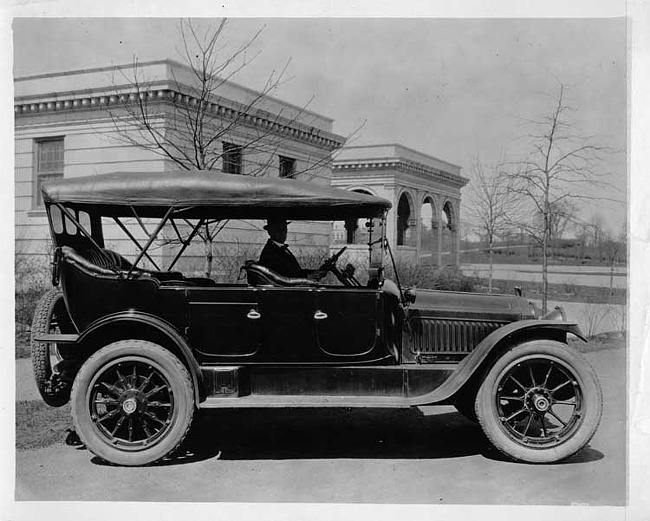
140, 350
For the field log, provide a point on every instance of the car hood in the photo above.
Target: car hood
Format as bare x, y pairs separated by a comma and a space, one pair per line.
453, 301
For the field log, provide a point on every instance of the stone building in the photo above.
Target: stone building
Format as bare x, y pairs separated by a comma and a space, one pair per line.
425, 191
65, 126
72, 124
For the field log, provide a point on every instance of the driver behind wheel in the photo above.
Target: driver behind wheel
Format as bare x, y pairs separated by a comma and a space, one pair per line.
277, 257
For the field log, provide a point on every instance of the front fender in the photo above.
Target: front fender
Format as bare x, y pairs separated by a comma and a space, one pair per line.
471, 363
124, 319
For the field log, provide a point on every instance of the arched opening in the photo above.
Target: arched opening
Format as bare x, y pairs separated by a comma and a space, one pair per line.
448, 216
403, 219
448, 222
428, 232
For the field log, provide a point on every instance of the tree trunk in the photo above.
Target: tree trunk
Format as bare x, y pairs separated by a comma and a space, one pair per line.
545, 269
207, 242
490, 250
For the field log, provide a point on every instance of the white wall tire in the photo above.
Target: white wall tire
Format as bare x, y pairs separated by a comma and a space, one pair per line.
540, 402
132, 403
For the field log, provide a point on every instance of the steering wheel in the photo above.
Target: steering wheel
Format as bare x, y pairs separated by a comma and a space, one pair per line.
330, 262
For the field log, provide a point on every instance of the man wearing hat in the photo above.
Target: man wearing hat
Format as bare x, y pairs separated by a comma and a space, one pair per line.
276, 255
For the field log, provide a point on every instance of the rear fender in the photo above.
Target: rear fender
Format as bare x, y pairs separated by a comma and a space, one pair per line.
134, 324
515, 332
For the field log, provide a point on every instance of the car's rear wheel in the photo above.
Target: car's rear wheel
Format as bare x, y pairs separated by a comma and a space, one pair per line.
49, 360
132, 403
540, 402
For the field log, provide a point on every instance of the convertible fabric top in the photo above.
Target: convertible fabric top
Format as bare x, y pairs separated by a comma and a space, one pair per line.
210, 194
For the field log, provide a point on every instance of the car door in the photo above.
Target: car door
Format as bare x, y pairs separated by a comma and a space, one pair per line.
224, 322
287, 325
346, 321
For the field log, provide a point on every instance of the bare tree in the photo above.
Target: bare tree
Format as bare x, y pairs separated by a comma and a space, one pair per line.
560, 168
614, 248
490, 205
561, 215
598, 232
194, 127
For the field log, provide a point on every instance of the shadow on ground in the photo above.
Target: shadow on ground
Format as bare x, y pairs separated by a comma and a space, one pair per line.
584, 456
336, 433
328, 434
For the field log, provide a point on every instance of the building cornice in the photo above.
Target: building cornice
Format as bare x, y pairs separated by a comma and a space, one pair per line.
169, 63
397, 150
267, 122
400, 165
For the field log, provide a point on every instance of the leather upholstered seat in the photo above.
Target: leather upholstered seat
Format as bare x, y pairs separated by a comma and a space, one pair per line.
107, 263
91, 262
259, 275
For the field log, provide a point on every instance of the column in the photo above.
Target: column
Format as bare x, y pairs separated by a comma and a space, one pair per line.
456, 232
439, 204
418, 225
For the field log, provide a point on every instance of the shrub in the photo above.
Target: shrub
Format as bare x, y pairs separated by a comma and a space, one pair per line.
448, 278
595, 318
32, 280
229, 260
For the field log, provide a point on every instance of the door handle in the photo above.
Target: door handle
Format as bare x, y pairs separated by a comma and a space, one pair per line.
319, 315
253, 314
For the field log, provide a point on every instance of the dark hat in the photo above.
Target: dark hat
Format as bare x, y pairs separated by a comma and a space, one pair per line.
274, 221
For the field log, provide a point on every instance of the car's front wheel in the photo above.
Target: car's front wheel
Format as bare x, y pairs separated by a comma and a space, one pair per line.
540, 402
132, 403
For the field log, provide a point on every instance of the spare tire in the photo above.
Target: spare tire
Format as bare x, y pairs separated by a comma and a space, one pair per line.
48, 358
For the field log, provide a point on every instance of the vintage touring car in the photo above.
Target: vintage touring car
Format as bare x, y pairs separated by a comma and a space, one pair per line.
138, 351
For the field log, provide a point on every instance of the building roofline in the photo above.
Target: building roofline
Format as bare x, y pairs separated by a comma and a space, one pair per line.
397, 146
170, 63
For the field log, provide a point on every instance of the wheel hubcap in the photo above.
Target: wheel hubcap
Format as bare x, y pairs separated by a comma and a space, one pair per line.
541, 403
130, 405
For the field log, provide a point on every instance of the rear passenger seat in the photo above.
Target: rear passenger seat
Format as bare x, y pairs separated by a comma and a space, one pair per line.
166, 278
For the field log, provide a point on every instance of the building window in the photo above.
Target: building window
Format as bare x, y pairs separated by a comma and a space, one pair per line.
232, 158
287, 166
48, 163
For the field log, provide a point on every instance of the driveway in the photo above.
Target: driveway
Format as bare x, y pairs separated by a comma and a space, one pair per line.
430, 456
557, 274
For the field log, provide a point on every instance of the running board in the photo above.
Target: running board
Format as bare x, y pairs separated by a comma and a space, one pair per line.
309, 386
291, 401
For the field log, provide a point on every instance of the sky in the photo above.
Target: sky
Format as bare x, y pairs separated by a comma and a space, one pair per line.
452, 88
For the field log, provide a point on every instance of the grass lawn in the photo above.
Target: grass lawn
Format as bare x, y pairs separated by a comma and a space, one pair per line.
561, 292
38, 425
22, 345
